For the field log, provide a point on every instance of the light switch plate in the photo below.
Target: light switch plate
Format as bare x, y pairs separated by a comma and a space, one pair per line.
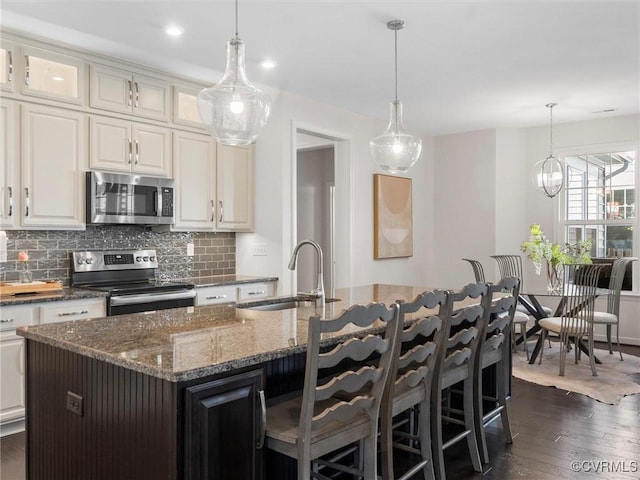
260, 250
190, 250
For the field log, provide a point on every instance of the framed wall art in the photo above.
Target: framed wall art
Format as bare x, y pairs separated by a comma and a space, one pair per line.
392, 217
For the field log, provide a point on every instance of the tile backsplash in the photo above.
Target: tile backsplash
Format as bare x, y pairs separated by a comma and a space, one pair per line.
50, 250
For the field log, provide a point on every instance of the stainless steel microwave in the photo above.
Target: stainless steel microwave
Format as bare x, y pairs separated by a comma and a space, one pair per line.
129, 199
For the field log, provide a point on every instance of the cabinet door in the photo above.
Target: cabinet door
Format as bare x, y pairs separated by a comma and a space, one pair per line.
110, 89
12, 398
151, 150
53, 163
111, 144
224, 425
53, 75
8, 57
150, 97
185, 107
235, 187
120, 91
9, 164
194, 160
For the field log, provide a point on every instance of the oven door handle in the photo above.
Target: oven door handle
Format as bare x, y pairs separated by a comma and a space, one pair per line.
151, 297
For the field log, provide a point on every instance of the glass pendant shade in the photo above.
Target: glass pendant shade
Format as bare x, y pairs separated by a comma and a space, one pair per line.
548, 176
395, 151
233, 110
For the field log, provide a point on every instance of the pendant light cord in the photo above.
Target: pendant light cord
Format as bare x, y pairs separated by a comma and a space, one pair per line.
551, 105
395, 32
236, 19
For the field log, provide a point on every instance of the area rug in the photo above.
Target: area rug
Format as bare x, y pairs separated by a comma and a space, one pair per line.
615, 378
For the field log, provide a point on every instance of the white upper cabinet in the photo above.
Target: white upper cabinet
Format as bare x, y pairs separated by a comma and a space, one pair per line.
9, 163
124, 146
194, 170
54, 152
185, 106
235, 187
8, 57
52, 75
124, 92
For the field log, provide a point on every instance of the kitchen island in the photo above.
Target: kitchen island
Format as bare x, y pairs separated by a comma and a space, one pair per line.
173, 394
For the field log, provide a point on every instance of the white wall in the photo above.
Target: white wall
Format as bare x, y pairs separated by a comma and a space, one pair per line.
275, 159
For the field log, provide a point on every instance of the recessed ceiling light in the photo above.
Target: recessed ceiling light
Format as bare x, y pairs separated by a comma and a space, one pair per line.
173, 30
268, 64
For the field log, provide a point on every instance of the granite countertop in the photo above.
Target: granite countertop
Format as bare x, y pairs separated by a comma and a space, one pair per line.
193, 342
67, 293
221, 280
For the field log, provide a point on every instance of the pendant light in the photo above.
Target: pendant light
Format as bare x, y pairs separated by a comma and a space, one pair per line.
548, 174
233, 110
395, 151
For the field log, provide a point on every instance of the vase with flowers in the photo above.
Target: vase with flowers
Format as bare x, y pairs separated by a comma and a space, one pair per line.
555, 256
24, 274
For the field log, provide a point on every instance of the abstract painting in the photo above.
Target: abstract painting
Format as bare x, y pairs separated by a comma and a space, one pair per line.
393, 217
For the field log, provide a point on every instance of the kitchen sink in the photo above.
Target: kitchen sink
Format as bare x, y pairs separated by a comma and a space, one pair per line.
282, 303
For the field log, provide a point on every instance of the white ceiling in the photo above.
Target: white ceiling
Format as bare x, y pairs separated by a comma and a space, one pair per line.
462, 66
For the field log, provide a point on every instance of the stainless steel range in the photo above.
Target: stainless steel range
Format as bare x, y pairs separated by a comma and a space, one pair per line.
129, 276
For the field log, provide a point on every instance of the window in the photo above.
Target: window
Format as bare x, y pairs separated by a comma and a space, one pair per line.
600, 202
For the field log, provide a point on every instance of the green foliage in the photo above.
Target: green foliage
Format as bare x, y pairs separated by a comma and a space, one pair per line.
539, 248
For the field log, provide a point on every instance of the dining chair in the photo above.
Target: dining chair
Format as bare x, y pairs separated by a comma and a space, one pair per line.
521, 316
576, 321
410, 390
455, 364
317, 422
499, 308
612, 315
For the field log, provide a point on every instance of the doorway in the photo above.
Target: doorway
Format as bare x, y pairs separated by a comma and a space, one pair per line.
315, 207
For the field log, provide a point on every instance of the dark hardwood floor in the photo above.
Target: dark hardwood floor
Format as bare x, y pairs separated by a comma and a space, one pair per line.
552, 429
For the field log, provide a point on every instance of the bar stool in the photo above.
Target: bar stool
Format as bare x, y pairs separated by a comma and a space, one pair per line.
455, 364
411, 386
317, 422
499, 312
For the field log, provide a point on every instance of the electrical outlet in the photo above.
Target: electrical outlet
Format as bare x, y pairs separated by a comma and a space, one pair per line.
260, 250
75, 403
190, 250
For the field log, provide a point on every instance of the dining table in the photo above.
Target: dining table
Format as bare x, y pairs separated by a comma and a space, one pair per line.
531, 302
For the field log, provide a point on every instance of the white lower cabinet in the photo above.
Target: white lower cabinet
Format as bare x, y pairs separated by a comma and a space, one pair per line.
12, 354
12, 399
212, 295
215, 295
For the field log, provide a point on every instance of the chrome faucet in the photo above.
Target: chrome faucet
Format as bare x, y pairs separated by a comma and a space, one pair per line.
319, 290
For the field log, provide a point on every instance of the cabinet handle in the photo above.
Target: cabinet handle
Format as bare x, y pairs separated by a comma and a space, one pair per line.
213, 211
137, 151
66, 314
26, 70
6, 320
10, 66
257, 292
130, 151
221, 212
137, 94
216, 297
263, 419
26, 206
130, 93
10, 201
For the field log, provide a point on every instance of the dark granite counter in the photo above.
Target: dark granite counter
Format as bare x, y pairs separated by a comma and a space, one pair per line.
67, 293
194, 342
